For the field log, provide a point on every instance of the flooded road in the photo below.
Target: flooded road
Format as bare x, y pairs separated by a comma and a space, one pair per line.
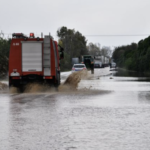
107, 112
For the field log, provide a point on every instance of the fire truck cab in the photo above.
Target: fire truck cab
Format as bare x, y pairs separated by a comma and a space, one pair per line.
34, 59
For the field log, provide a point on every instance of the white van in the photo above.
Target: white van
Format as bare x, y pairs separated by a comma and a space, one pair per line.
113, 65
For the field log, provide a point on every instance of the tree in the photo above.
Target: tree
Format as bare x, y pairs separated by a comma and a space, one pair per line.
74, 44
106, 51
94, 49
126, 56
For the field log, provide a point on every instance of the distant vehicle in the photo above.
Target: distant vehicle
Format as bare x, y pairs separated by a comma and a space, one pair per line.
78, 67
98, 65
113, 65
107, 61
104, 60
75, 60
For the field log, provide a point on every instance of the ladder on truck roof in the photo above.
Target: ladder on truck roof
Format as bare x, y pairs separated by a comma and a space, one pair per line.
47, 54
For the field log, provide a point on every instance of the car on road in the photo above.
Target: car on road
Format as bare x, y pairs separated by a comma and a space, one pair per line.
78, 67
98, 65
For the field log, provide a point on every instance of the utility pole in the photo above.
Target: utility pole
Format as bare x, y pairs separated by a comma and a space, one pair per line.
1, 34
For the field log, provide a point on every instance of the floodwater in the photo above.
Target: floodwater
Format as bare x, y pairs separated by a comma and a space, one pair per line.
110, 112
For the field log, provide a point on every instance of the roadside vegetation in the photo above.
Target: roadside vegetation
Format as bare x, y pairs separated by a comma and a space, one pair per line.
4, 55
74, 44
134, 57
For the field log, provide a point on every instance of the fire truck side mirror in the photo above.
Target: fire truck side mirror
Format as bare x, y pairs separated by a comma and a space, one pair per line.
61, 55
61, 52
61, 49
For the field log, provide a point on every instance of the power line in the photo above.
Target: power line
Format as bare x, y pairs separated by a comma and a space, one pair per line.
121, 35
102, 35
115, 35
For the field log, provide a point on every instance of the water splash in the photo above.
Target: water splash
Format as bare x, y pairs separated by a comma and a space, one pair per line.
71, 83
38, 88
3, 86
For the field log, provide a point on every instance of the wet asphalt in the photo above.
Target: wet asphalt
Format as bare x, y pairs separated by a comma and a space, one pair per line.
107, 112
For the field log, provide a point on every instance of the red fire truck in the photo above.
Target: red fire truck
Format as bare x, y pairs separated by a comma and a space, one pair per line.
34, 59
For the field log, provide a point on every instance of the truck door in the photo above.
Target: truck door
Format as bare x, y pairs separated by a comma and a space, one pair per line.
31, 56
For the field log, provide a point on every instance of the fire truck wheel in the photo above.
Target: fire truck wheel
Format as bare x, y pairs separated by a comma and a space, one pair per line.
58, 80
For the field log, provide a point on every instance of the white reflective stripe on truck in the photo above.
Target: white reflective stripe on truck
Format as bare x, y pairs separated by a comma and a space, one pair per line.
47, 56
31, 56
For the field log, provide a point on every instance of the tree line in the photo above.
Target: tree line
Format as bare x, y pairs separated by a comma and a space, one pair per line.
134, 56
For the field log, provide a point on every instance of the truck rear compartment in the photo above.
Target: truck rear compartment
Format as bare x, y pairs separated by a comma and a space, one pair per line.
35, 61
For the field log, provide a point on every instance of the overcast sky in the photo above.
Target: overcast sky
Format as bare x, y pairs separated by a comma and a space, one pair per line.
93, 18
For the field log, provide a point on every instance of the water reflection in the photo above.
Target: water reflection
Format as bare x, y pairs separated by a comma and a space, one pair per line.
126, 73
4, 121
34, 122
112, 114
144, 97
